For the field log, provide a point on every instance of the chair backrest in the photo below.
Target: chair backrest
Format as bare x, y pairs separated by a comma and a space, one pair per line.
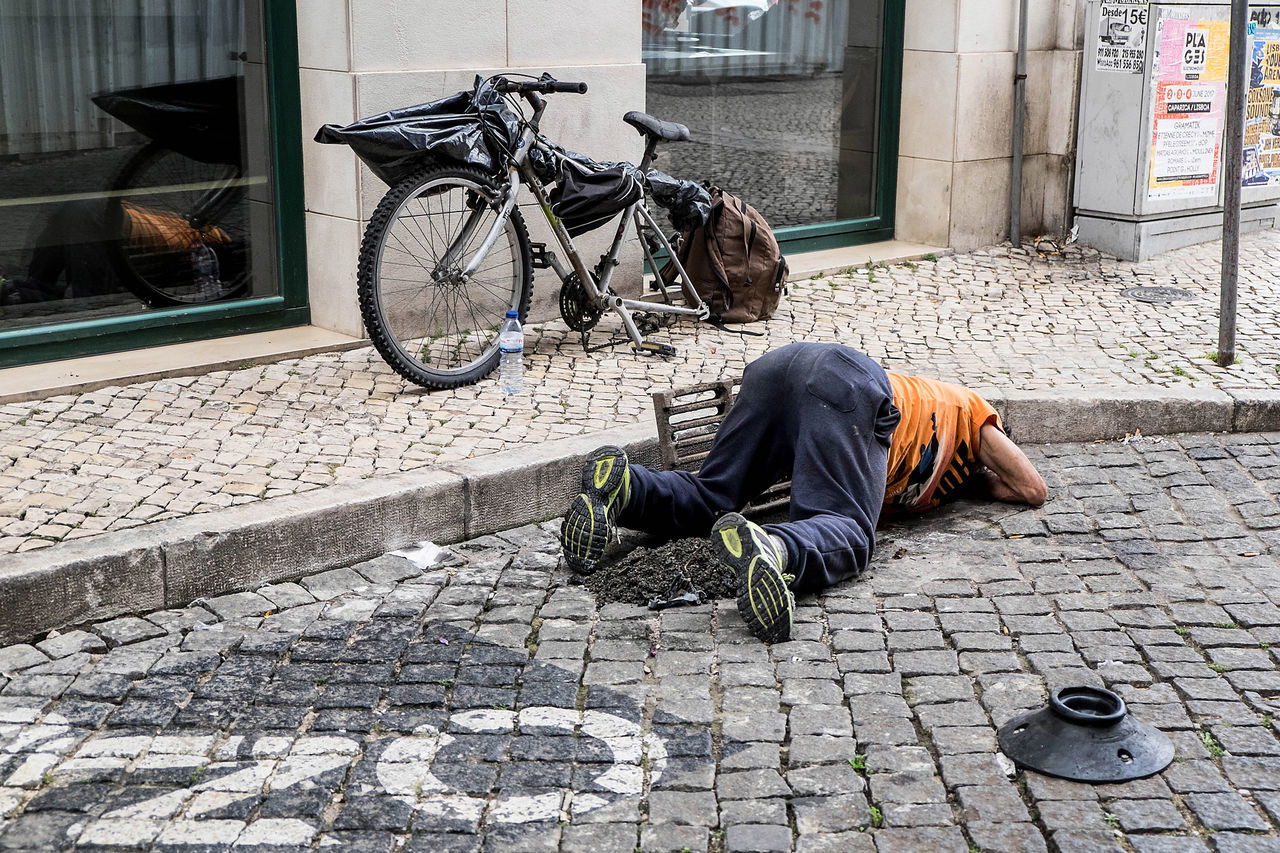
688, 418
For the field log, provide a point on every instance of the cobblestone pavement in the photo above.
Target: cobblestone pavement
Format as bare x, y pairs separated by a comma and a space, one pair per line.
492, 706
75, 466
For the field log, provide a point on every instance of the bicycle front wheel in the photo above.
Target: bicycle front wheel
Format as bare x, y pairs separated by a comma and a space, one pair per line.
430, 325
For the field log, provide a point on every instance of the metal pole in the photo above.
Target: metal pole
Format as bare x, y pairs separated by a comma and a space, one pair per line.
1232, 156
1019, 110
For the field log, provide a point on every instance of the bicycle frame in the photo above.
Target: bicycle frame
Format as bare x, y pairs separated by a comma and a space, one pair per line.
520, 172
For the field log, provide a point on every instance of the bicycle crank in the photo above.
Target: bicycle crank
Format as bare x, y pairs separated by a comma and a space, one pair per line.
578, 308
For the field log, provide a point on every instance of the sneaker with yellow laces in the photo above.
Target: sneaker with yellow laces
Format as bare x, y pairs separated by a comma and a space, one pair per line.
757, 560
591, 521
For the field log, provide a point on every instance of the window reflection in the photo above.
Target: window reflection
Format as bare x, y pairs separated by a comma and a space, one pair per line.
781, 97
133, 167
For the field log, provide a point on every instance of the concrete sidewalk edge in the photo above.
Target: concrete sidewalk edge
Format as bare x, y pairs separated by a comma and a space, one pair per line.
172, 563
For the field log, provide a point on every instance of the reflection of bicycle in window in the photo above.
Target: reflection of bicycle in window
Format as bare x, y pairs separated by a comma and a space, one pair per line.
176, 212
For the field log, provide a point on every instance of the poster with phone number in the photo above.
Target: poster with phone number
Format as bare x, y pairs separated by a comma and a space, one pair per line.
1190, 95
1122, 37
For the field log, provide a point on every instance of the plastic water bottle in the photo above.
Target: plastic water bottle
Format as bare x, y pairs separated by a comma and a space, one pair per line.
511, 362
208, 276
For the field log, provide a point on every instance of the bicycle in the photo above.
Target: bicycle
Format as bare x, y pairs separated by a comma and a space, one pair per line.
447, 253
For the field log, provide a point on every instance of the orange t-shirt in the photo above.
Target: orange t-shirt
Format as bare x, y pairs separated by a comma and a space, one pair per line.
935, 446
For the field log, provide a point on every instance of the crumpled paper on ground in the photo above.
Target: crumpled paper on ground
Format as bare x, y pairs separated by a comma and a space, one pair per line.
425, 555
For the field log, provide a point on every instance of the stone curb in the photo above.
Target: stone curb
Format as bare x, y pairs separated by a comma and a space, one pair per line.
1072, 415
171, 563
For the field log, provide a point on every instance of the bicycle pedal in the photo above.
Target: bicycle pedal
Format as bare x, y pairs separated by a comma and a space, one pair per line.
656, 348
539, 257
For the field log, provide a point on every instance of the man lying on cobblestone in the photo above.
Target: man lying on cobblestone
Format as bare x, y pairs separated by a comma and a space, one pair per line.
854, 440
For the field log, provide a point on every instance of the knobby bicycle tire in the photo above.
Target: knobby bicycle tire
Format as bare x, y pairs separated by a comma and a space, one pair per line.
151, 184
428, 326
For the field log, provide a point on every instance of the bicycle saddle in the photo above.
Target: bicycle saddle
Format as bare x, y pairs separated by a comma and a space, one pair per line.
656, 127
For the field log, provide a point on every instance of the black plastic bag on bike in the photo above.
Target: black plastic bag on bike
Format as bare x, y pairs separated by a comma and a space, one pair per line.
688, 204
468, 127
589, 193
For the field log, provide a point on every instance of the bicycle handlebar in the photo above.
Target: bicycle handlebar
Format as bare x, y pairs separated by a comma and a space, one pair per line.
545, 86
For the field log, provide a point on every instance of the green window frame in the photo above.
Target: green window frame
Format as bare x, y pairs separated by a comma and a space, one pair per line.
880, 225
200, 322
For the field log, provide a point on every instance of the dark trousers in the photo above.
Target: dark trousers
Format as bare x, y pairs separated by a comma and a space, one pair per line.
821, 414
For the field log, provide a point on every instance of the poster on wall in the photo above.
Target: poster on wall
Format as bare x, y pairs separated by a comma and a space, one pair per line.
1262, 111
1122, 36
1190, 83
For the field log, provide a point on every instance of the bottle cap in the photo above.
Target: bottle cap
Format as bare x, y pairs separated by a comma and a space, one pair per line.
513, 314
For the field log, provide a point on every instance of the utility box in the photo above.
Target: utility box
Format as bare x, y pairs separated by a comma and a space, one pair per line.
1153, 99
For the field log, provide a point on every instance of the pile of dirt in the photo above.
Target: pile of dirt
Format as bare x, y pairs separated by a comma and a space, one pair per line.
662, 572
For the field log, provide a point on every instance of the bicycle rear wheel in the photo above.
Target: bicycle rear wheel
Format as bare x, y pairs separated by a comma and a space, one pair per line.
432, 327
163, 206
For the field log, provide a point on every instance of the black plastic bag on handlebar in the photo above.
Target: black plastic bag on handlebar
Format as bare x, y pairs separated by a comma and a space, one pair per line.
472, 128
545, 163
688, 203
588, 193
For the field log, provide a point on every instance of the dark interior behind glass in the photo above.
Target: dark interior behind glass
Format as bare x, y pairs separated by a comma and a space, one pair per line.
134, 164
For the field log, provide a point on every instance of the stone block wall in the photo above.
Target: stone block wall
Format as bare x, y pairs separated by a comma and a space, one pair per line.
956, 132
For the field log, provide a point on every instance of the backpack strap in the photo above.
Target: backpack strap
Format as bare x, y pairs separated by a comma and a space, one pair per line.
716, 321
715, 252
747, 242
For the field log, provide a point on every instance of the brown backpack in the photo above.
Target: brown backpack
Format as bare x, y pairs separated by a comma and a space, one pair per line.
733, 261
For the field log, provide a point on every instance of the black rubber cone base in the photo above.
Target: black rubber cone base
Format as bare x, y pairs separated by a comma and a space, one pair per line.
1085, 735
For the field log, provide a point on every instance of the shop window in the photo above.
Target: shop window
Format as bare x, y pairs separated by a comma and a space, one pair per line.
136, 160
785, 99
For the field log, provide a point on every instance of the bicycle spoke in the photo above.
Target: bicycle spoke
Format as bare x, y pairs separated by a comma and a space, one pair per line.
480, 234
496, 291
470, 306
481, 229
421, 236
405, 238
453, 324
495, 265
461, 214
445, 223
405, 248
435, 223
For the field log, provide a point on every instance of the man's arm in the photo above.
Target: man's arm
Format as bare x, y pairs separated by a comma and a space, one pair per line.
1015, 479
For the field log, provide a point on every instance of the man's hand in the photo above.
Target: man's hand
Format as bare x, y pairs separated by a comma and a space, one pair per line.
1013, 477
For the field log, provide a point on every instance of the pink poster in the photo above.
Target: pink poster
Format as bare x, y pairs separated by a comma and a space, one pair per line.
1190, 94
